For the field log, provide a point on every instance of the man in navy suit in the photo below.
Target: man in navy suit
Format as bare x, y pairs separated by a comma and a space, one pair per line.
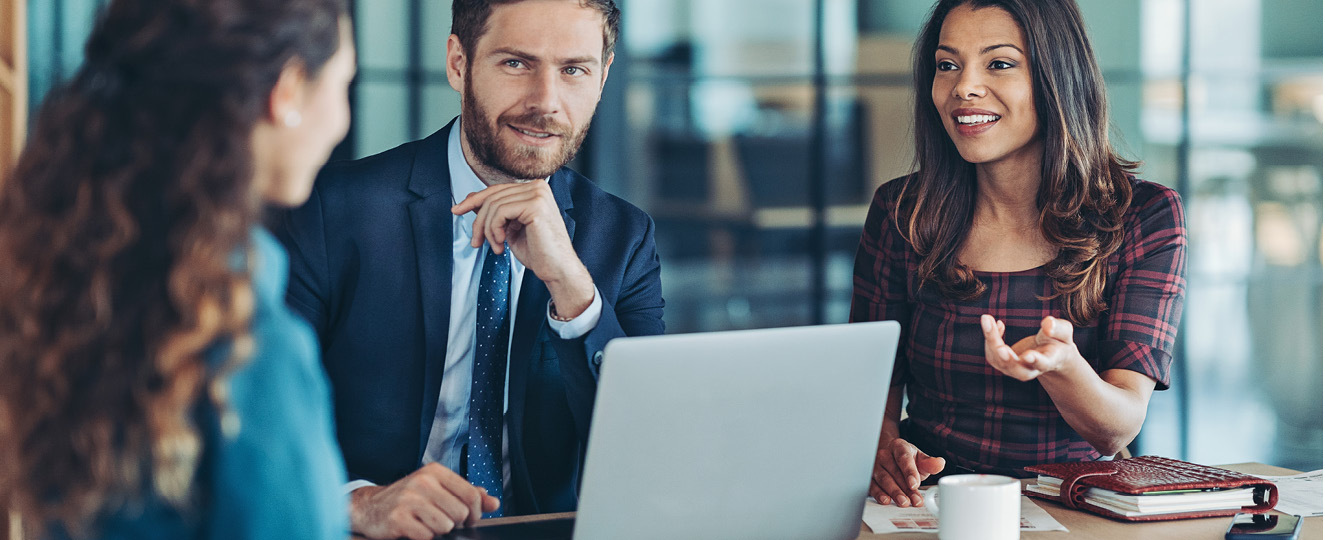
463, 286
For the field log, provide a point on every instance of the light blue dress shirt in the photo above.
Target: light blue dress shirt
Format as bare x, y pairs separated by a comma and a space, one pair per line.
450, 428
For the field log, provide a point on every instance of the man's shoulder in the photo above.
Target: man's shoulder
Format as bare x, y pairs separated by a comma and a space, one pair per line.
592, 201
388, 169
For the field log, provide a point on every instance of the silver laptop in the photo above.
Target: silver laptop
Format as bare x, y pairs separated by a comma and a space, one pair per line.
760, 434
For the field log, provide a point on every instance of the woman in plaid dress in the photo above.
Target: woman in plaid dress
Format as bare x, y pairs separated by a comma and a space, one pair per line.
1038, 282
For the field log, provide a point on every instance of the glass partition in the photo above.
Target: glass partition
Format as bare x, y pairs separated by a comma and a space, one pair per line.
755, 131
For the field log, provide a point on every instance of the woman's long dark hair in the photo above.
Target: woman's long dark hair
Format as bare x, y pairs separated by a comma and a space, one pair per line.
122, 231
1084, 190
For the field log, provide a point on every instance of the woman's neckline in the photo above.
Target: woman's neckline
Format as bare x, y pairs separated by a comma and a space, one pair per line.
1037, 269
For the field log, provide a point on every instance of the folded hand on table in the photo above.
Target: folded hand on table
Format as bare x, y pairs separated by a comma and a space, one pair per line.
429, 502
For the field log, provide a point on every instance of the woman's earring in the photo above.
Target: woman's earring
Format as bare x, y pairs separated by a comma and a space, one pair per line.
293, 118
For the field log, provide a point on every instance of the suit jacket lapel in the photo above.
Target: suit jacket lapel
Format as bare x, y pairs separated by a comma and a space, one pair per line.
560, 183
430, 217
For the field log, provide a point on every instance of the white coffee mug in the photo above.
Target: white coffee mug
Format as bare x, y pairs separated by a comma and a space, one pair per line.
976, 507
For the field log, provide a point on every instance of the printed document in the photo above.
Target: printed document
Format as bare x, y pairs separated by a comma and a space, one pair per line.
890, 519
1299, 494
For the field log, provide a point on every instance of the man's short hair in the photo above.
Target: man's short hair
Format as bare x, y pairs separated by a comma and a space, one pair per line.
469, 21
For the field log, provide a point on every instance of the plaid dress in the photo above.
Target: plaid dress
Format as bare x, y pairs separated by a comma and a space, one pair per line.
963, 409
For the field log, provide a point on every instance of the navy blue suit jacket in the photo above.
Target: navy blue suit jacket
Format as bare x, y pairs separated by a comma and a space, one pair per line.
370, 260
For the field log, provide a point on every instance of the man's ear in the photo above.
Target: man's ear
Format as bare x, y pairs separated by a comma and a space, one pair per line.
288, 93
607, 67
456, 63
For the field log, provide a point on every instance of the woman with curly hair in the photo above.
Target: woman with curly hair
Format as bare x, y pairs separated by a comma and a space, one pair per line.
153, 383
1037, 280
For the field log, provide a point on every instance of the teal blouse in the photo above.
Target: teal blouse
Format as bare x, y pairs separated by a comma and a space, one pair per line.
280, 475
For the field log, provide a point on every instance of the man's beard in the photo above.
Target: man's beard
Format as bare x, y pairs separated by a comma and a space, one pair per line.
517, 161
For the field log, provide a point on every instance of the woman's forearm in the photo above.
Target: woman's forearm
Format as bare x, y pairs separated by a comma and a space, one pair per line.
1107, 410
892, 416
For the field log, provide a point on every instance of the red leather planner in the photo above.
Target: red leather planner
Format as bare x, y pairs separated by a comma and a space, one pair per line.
1152, 488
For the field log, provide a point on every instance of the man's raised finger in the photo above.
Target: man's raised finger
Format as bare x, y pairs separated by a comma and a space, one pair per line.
472, 202
490, 503
487, 503
477, 199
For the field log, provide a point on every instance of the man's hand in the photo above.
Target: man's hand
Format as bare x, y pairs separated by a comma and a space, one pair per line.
899, 467
525, 216
429, 502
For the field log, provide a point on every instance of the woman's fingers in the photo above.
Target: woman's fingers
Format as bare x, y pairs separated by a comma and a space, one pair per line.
882, 486
1001, 356
905, 454
929, 465
877, 493
1032, 356
1056, 329
885, 479
990, 327
993, 331
1019, 366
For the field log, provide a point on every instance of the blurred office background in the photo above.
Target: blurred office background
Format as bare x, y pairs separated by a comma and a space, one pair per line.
755, 132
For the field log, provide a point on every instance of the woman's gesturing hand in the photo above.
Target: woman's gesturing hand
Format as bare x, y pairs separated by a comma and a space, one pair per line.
1046, 351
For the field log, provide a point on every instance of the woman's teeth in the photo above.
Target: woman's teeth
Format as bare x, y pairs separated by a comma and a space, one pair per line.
977, 119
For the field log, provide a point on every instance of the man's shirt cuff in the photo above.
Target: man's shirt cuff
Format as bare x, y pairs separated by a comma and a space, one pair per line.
581, 324
349, 487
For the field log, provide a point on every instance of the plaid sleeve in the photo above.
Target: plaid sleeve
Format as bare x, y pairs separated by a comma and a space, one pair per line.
1141, 324
880, 279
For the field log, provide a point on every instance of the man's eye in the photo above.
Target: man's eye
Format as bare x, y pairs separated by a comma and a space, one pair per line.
513, 63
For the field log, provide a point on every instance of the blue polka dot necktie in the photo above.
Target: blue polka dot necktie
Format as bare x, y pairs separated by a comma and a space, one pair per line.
492, 334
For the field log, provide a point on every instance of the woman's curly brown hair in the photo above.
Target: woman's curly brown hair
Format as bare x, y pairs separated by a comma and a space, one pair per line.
124, 229
1085, 188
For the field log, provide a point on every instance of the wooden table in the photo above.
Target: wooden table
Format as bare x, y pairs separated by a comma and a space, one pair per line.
1080, 524
1086, 525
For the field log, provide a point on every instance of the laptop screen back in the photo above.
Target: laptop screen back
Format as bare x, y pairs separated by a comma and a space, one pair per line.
748, 434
